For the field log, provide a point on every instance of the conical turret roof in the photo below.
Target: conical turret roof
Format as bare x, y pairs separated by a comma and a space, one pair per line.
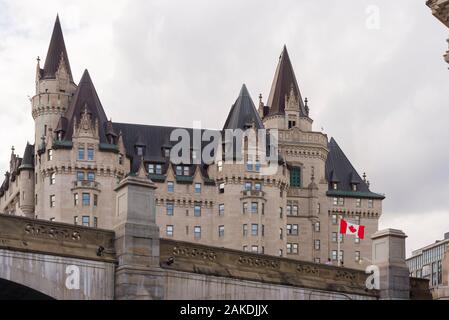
56, 52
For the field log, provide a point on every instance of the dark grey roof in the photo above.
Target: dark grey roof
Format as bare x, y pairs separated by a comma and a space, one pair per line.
56, 51
339, 169
283, 82
86, 96
28, 157
154, 139
243, 113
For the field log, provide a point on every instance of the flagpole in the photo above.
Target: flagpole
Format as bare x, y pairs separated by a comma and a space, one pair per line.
338, 240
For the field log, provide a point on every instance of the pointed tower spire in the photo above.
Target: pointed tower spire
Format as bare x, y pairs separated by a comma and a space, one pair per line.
243, 112
56, 54
86, 100
284, 83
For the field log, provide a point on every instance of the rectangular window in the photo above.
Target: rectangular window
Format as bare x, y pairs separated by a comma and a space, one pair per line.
254, 249
158, 169
248, 186
370, 203
91, 176
170, 186
95, 200
245, 207
257, 166
170, 208
263, 230
197, 232
254, 207
358, 203
220, 231
341, 201
292, 248
221, 209
179, 170
257, 186
317, 244
50, 154
95, 222
245, 230
186, 171
52, 178
80, 176
342, 255
357, 256
281, 233
90, 154
245, 248
151, 168
169, 231
86, 199
197, 210
120, 159
281, 212
289, 210
334, 237
249, 166
52, 201
254, 229
86, 221
221, 188
197, 187
335, 201
295, 210
75, 220
334, 255
334, 219
281, 253
80, 153
295, 177
75, 199
317, 227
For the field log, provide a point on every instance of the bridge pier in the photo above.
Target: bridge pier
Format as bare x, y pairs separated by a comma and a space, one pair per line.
138, 274
389, 256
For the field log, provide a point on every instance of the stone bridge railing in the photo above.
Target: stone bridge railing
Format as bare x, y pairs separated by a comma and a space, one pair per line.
194, 258
60, 239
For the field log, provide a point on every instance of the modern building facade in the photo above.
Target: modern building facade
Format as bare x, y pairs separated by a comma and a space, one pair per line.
440, 9
432, 263
71, 171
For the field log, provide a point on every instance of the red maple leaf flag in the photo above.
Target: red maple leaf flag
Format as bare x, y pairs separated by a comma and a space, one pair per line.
350, 228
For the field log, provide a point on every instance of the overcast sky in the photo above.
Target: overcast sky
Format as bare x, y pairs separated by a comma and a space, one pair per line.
378, 86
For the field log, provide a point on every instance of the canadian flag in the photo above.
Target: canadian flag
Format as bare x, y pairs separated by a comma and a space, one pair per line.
349, 228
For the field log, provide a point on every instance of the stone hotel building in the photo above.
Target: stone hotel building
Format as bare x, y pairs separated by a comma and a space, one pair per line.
71, 170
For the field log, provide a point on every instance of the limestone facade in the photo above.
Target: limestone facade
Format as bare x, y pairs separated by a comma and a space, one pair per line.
78, 159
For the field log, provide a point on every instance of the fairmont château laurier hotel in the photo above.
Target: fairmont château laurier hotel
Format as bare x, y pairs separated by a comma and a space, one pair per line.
70, 173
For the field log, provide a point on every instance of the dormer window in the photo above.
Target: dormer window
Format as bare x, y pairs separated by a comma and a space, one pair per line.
335, 186
140, 151
154, 168
182, 170
354, 187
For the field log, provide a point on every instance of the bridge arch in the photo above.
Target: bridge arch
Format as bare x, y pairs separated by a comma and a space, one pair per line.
10, 290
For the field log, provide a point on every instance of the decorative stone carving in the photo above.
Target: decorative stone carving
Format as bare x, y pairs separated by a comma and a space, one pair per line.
37, 230
307, 269
258, 262
194, 253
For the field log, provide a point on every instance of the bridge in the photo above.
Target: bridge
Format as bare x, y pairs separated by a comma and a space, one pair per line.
48, 260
